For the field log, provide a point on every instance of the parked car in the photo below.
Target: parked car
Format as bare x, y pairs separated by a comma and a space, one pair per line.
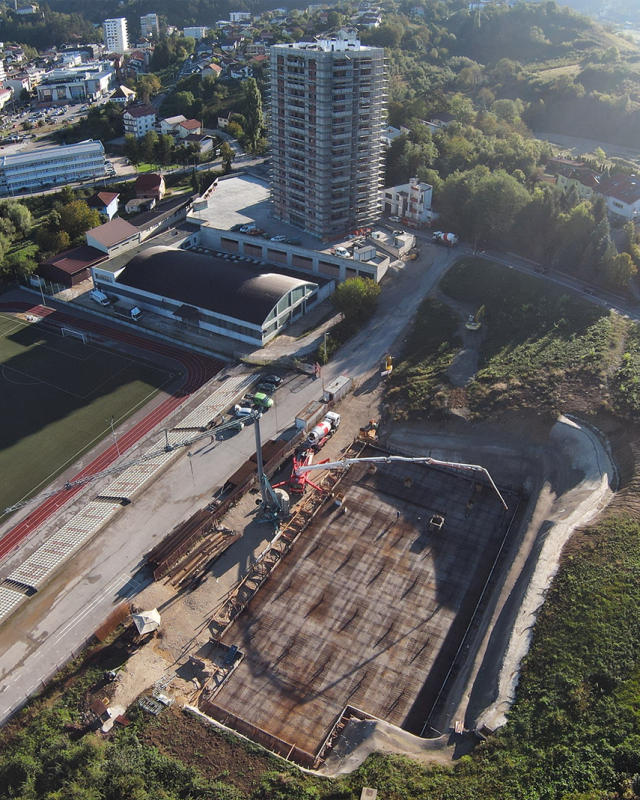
266, 388
394, 219
262, 400
589, 290
279, 238
542, 270
274, 379
292, 240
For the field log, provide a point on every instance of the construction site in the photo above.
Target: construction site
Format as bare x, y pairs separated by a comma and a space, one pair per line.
368, 611
345, 574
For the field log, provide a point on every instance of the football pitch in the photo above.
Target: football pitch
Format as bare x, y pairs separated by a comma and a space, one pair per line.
57, 397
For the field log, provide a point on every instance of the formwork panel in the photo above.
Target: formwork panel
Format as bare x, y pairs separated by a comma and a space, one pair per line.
369, 608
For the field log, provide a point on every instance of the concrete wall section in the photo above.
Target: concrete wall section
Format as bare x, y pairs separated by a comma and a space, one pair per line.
312, 261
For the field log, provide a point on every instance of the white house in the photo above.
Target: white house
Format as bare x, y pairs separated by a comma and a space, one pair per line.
622, 193
410, 201
105, 203
170, 124
139, 120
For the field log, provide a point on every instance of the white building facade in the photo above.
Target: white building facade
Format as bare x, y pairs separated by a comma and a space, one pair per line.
410, 201
76, 83
139, 120
51, 166
116, 35
196, 32
149, 25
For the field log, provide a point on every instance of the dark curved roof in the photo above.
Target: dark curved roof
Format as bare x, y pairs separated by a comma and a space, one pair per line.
224, 287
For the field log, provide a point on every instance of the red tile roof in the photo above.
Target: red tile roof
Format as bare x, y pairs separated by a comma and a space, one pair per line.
191, 124
625, 188
102, 199
141, 111
112, 232
74, 261
147, 181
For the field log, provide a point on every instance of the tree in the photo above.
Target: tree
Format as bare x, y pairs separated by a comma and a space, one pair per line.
164, 149
196, 183
619, 270
182, 102
18, 214
77, 218
147, 86
227, 153
356, 299
235, 130
252, 107
148, 146
131, 148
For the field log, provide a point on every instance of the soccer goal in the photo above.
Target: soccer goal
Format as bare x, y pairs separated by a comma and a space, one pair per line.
75, 334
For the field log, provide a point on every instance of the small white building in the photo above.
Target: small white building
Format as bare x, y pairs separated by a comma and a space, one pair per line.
410, 201
389, 134
139, 120
238, 16
196, 32
170, 124
5, 97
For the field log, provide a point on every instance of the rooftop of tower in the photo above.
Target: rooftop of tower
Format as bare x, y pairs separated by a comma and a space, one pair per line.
328, 45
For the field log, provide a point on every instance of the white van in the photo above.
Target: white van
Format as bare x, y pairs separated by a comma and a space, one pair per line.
342, 252
99, 297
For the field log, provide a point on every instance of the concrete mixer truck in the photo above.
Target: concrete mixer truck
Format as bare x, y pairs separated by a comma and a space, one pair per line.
323, 430
445, 238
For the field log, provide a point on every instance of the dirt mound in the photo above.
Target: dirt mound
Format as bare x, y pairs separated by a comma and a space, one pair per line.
215, 754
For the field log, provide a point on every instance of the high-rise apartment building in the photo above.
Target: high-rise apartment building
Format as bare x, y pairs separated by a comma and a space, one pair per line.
327, 101
116, 38
149, 25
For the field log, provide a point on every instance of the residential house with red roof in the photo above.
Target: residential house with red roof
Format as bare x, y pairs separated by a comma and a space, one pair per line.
105, 203
150, 184
583, 179
623, 195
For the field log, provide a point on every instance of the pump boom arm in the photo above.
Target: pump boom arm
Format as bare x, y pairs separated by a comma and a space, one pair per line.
347, 462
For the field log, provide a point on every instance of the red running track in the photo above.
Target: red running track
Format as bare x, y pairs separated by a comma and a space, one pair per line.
199, 369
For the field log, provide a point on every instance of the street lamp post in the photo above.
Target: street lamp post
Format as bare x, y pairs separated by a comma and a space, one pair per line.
115, 438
